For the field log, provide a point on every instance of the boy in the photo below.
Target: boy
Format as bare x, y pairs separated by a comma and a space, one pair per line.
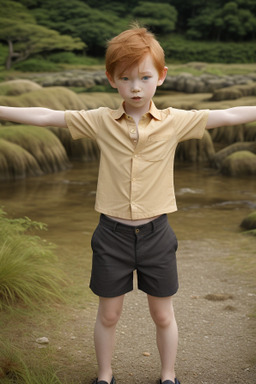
135, 189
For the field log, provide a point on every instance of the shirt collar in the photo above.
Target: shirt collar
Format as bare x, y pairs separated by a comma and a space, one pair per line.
118, 113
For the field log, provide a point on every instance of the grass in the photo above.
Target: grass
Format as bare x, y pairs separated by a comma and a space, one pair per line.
36, 299
29, 272
13, 369
30, 279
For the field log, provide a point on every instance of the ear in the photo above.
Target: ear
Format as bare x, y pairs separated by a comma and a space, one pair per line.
111, 80
162, 76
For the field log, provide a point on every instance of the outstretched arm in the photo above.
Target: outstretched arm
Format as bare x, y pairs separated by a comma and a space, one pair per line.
231, 116
33, 116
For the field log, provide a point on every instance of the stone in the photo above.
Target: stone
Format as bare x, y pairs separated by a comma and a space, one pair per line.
42, 340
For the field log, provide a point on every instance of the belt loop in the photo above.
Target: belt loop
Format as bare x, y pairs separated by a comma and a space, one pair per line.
152, 225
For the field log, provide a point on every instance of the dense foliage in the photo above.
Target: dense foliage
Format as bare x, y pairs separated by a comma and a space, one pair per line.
33, 26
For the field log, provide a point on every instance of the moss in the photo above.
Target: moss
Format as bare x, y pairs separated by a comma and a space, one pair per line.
59, 98
250, 132
240, 163
16, 162
249, 222
228, 135
96, 100
234, 92
34, 142
221, 155
196, 150
83, 149
18, 87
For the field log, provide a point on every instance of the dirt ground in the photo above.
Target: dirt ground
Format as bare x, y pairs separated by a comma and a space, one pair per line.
216, 330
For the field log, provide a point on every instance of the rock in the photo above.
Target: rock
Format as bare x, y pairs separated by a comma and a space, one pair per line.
42, 340
183, 82
239, 163
191, 85
220, 156
170, 83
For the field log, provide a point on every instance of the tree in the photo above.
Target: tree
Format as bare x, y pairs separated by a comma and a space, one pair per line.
159, 17
77, 19
229, 23
25, 38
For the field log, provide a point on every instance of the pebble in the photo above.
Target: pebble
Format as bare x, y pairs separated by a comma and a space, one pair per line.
146, 354
42, 340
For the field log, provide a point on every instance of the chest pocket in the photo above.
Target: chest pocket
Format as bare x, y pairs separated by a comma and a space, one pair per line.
157, 148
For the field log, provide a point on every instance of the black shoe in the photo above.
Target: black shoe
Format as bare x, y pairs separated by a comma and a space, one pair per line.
169, 382
113, 381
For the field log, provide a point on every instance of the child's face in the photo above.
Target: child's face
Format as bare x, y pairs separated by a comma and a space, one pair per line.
137, 85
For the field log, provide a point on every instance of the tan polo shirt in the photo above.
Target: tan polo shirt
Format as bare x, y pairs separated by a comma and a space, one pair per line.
135, 178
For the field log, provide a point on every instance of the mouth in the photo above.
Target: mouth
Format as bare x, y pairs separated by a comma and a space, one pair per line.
136, 98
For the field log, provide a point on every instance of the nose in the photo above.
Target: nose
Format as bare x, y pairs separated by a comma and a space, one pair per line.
135, 87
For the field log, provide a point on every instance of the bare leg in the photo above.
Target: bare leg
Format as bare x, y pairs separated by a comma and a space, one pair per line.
161, 310
109, 312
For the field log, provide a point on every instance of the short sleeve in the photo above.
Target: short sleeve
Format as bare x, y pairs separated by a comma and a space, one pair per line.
83, 123
190, 124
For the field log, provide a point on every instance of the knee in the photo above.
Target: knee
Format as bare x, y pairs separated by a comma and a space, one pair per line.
163, 319
109, 318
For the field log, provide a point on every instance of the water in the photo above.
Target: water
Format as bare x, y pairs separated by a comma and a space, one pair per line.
210, 205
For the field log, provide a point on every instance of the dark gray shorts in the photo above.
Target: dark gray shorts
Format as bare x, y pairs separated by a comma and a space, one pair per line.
119, 249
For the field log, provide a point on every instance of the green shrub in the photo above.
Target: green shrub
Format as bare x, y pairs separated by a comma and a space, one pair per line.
36, 65
56, 62
29, 272
62, 57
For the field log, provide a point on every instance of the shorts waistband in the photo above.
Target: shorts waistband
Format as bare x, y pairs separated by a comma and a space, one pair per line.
115, 226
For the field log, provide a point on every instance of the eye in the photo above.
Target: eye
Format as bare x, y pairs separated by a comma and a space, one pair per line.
146, 78
124, 78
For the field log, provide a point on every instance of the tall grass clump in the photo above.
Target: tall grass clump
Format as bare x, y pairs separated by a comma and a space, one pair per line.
29, 272
13, 369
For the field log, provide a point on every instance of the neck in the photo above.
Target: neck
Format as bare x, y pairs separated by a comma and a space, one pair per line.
136, 113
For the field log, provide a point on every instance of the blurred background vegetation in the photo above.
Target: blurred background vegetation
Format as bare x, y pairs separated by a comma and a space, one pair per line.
38, 35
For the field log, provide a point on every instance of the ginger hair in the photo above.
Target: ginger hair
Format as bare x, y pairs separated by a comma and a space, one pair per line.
130, 47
